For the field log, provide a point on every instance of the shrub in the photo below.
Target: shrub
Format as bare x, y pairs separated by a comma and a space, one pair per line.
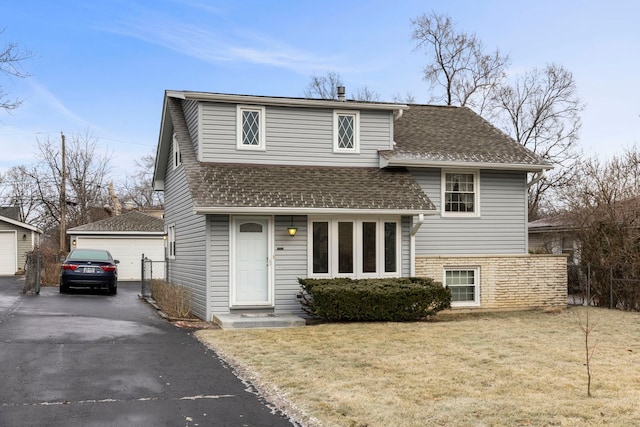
173, 300
393, 300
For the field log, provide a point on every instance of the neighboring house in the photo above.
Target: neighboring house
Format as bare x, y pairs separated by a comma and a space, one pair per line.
16, 240
554, 236
128, 237
260, 191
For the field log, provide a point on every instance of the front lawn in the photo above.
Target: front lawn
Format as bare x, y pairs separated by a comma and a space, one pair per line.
499, 369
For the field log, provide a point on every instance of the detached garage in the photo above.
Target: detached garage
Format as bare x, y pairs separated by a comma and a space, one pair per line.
16, 239
127, 237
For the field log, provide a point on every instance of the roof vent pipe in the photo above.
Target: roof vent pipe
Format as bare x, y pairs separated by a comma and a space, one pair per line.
341, 92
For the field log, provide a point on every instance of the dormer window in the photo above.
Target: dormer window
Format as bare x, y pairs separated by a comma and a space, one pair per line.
251, 128
346, 131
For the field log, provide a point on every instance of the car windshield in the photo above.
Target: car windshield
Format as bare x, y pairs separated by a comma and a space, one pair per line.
85, 255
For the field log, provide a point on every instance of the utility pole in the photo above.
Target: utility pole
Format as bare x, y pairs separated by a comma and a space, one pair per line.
63, 202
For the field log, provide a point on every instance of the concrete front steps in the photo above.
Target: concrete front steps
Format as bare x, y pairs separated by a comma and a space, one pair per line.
257, 320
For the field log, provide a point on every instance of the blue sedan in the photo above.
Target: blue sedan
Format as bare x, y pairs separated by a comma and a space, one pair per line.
89, 268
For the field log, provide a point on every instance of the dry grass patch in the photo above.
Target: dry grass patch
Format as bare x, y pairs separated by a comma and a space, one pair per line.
516, 368
173, 300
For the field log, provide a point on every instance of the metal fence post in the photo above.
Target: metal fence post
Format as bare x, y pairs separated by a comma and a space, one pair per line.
145, 285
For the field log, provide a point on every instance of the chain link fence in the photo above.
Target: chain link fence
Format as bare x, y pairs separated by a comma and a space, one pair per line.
151, 269
603, 287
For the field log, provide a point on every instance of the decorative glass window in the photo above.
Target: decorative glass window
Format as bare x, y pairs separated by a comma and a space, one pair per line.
346, 131
251, 128
354, 247
171, 241
460, 193
177, 157
464, 284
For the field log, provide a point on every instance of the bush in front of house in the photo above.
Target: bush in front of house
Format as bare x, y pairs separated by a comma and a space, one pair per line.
173, 300
395, 300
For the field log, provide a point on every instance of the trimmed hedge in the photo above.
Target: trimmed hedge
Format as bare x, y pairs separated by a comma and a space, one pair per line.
394, 300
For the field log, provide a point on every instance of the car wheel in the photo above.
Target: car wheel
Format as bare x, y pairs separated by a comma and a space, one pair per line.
113, 289
63, 288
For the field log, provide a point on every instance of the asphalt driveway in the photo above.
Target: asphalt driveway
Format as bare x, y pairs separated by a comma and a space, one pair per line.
91, 359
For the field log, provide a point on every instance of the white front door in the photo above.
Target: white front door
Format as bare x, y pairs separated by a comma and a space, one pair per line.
251, 284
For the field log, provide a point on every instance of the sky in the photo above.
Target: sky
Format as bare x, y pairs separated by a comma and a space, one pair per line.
102, 66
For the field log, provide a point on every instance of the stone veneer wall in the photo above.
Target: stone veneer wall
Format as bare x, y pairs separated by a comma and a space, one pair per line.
508, 281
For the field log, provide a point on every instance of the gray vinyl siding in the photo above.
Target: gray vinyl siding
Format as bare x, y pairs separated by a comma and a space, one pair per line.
219, 263
189, 266
500, 229
190, 108
290, 260
294, 136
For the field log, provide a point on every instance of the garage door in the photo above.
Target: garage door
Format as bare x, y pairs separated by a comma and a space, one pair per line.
129, 252
8, 253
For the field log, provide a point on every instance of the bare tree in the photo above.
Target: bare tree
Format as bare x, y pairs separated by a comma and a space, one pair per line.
86, 183
458, 69
541, 110
138, 189
20, 190
11, 58
604, 212
326, 87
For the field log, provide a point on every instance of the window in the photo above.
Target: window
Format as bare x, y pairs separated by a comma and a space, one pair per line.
171, 241
464, 284
460, 193
251, 128
177, 157
354, 247
346, 131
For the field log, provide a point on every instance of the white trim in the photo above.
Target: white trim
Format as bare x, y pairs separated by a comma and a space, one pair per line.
233, 223
385, 162
176, 155
261, 127
357, 222
476, 194
117, 233
476, 284
266, 210
356, 131
15, 247
20, 224
171, 239
282, 101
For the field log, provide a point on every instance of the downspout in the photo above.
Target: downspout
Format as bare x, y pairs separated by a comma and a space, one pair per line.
412, 243
536, 178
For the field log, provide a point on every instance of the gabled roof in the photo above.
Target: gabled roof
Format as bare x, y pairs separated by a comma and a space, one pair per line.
128, 223
12, 212
241, 188
446, 136
20, 224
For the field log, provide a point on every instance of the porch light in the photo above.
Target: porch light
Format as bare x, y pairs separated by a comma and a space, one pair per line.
292, 230
74, 242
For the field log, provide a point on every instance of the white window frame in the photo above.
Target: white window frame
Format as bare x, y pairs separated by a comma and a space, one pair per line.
358, 256
476, 285
476, 195
356, 131
177, 156
171, 241
261, 127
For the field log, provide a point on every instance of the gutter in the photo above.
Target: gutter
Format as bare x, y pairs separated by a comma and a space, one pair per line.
412, 238
536, 178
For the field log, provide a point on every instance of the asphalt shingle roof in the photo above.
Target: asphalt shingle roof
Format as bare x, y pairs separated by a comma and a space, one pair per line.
127, 222
454, 134
223, 185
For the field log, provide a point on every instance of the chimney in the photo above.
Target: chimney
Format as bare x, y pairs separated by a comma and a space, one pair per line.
341, 92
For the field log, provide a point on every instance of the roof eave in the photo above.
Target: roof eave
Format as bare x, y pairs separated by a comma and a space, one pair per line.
115, 233
390, 162
203, 210
20, 224
282, 101
162, 150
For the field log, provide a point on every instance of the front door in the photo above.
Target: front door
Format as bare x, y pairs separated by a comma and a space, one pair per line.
252, 262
